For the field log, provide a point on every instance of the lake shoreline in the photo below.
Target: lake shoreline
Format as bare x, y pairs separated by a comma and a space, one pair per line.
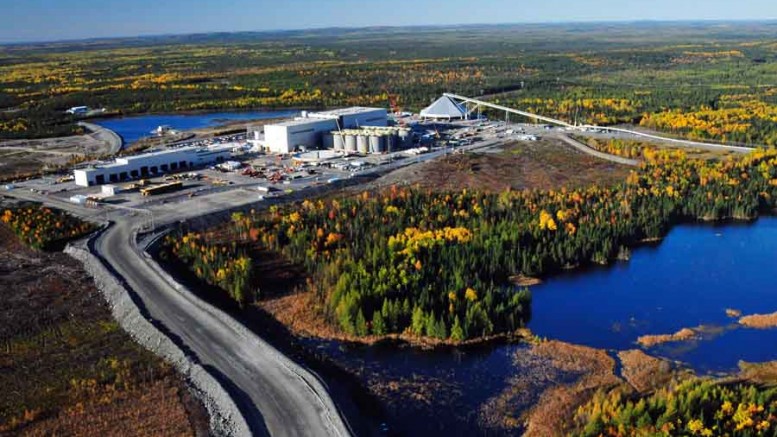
203, 112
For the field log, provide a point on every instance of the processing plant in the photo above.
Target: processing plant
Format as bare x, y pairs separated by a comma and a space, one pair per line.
311, 128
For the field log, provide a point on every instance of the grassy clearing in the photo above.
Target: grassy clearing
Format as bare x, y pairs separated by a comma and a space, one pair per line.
67, 367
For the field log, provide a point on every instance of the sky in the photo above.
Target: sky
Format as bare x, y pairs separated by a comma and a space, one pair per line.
50, 20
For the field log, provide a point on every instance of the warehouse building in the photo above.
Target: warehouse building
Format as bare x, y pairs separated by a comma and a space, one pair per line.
152, 164
355, 117
287, 136
309, 130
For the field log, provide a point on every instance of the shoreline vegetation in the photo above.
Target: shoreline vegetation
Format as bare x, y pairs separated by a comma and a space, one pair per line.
579, 393
759, 321
753, 321
407, 262
684, 334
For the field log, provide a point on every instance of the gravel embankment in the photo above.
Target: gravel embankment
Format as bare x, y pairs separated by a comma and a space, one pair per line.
225, 418
109, 137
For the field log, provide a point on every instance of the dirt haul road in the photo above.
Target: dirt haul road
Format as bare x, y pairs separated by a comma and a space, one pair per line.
278, 397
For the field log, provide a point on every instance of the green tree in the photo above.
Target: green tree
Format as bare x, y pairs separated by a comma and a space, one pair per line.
378, 324
457, 333
361, 324
418, 321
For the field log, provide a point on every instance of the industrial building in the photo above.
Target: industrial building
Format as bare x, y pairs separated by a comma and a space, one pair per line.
151, 164
310, 130
78, 110
287, 136
354, 117
444, 108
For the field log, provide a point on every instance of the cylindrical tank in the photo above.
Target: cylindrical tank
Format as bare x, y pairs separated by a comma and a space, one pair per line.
404, 137
329, 141
391, 143
362, 143
339, 141
375, 143
350, 143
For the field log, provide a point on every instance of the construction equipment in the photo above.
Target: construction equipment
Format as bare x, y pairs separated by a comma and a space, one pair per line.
136, 185
159, 189
275, 177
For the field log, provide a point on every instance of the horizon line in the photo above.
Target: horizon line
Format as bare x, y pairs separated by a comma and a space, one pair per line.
6, 43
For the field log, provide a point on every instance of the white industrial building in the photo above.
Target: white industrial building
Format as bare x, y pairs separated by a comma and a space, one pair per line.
286, 136
354, 117
310, 129
151, 164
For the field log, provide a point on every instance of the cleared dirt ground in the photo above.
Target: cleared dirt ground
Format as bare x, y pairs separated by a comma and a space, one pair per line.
66, 367
543, 164
18, 157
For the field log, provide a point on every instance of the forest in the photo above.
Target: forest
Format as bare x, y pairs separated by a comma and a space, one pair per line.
696, 407
412, 262
714, 83
44, 228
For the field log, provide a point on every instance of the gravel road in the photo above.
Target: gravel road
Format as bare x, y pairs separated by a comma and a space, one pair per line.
276, 396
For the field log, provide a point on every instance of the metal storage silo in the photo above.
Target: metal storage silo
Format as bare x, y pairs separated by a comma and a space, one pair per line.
339, 141
362, 143
377, 143
391, 142
350, 142
404, 137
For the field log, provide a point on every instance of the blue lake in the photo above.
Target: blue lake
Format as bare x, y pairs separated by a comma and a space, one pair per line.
132, 129
687, 280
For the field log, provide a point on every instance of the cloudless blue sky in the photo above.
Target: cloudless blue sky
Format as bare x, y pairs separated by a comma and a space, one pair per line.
45, 20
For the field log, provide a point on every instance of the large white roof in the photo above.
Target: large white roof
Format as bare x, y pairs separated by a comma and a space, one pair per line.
444, 107
353, 110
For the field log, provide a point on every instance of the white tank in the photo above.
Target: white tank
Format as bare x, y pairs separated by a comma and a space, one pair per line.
350, 143
404, 137
377, 143
362, 144
339, 142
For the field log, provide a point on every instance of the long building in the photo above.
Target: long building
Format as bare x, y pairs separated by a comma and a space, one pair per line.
310, 129
151, 164
354, 117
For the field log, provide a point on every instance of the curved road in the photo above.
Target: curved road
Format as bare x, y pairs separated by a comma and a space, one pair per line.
601, 155
109, 137
277, 397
